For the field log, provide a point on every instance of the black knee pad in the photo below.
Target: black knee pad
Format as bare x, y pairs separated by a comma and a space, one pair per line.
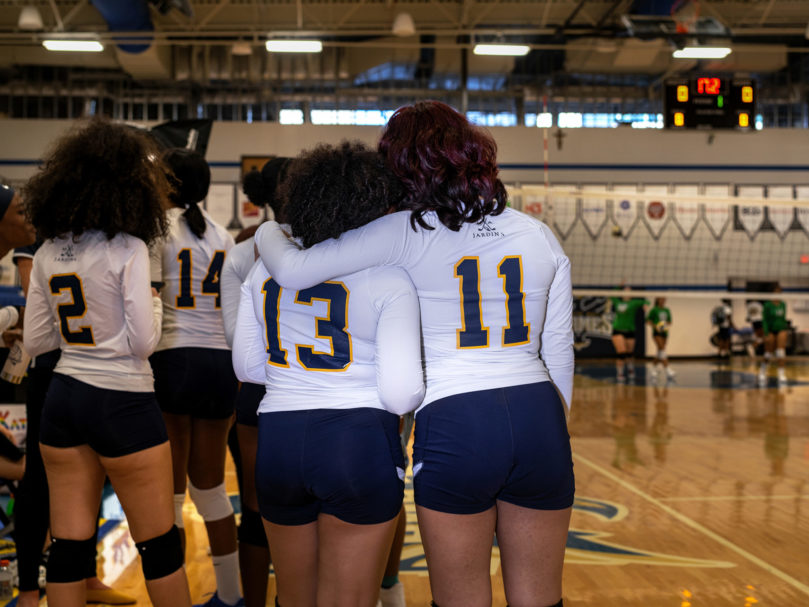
162, 555
251, 529
70, 560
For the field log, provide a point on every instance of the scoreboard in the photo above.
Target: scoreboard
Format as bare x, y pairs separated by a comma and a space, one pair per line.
710, 102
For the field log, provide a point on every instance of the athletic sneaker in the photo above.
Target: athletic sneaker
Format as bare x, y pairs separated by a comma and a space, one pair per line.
782, 376
762, 379
392, 597
215, 601
670, 373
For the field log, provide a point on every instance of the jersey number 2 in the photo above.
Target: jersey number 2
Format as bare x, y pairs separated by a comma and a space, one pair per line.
76, 308
210, 284
472, 333
331, 327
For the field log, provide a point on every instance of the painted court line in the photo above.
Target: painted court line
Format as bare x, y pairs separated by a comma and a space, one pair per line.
695, 525
728, 498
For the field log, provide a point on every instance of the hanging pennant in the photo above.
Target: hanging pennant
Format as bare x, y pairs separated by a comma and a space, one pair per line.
779, 218
564, 215
534, 201
802, 212
750, 217
593, 208
594, 215
685, 214
716, 215
625, 210
717, 218
654, 213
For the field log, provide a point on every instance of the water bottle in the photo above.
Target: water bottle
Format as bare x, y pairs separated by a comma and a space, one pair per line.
6, 582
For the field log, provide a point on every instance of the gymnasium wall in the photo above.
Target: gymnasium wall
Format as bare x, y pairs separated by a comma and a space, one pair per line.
605, 158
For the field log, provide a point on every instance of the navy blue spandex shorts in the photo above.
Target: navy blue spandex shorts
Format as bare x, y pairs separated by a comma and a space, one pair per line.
112, 422
507, 444
343, 462
195, 381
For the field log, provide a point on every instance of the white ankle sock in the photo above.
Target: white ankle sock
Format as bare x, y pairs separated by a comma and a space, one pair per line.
226, 569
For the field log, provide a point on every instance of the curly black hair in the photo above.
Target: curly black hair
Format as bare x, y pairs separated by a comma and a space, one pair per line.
332, 189
100, 176
261, 187
190, 175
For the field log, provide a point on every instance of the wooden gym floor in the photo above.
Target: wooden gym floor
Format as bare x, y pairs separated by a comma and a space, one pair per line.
690, 493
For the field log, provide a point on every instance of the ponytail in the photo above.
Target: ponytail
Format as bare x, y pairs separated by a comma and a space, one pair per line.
196, 222
191, 177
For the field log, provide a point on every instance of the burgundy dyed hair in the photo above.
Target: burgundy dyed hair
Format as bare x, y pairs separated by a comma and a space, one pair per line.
446, 164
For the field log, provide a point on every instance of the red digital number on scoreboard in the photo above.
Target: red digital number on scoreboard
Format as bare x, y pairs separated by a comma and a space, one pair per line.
709, 86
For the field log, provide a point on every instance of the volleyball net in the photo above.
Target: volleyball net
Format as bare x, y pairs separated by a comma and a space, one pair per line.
694, 245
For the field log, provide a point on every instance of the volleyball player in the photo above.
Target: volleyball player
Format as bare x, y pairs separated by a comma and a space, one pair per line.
755, 316
194, 380
721, 318
254, 553
98, 202
15, 229
623, 332
31, 504
659, 318
344, 362
491, 452
776, 333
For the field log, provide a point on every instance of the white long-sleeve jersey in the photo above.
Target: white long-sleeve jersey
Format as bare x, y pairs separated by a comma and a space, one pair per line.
239, 262
189, 269
92, 298
494, 296
347, 343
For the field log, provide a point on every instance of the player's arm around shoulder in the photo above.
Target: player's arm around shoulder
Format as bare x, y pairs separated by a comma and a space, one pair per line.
399, 372
249, 352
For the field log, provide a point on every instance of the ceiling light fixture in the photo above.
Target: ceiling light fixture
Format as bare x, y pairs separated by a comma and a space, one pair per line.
403, 25
502, 50
702, 52
30, 19
73, 45
294, 46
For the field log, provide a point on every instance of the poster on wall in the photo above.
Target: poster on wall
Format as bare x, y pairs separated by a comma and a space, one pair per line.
716, 214
592, 328
685, 213
625, 210
655, 213
13, 417
219, 204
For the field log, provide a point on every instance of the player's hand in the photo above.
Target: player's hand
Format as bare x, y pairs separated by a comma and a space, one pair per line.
10, 336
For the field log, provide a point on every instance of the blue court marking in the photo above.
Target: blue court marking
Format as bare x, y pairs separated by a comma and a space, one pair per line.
691, 374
